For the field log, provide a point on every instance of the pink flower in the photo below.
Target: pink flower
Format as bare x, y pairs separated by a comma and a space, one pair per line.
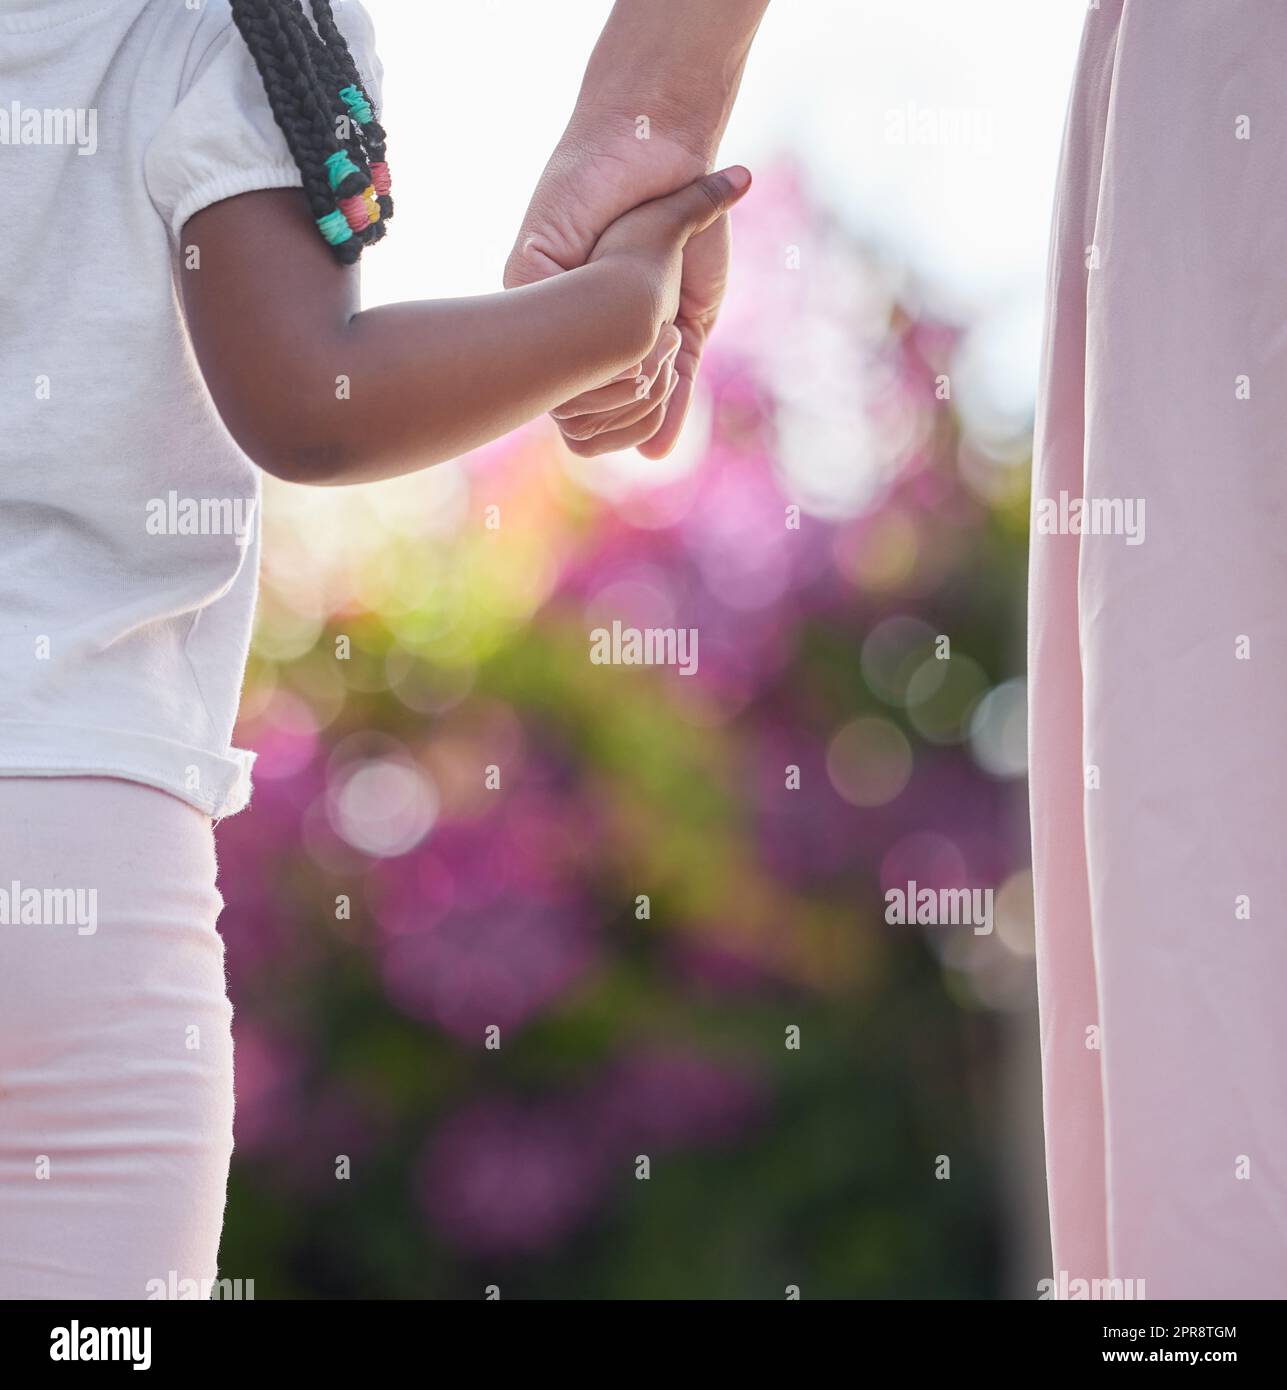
651, 1101
715, 968
500, 965
502, 1178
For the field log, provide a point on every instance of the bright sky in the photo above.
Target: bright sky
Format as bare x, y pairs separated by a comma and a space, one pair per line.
477, 92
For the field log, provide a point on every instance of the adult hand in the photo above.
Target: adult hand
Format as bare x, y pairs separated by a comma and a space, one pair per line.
599, 171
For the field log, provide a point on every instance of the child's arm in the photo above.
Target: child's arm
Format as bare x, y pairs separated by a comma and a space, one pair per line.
277, 332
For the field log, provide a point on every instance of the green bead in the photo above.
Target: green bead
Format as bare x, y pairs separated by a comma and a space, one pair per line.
359, 107
338, 167
335, 227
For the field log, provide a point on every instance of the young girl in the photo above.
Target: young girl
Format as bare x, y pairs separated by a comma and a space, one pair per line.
193, 184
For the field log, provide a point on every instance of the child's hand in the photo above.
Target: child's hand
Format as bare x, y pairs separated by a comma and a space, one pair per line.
647, 244
592, 423
649, 240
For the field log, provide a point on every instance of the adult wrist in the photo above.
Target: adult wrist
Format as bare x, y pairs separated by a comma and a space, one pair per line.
673, 64
609, 118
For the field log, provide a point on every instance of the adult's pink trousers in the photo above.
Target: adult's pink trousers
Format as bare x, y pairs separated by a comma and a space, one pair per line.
1158, 657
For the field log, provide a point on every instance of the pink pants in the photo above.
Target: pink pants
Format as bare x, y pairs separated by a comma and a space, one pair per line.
1158, 656
115, 1041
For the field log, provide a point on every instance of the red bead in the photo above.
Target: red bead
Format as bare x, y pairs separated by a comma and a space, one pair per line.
355, 211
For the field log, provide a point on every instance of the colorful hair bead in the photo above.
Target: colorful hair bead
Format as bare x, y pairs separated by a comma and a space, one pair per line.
339, 167
359, 107
335, 228
316, 92
355, 211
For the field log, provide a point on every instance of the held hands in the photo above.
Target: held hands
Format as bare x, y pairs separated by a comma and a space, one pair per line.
629, 409
599, 171
648, 246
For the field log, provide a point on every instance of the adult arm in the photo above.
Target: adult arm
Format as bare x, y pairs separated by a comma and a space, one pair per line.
678, 65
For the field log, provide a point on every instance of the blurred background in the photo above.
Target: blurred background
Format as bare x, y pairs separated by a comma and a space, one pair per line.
501, 922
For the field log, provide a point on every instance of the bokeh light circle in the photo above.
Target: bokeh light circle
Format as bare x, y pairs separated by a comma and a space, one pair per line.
999, 730
891, 655
941, 697
869, 761
380, 802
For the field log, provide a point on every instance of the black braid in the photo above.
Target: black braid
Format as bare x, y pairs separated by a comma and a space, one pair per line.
304, 70
334, 63
337, 47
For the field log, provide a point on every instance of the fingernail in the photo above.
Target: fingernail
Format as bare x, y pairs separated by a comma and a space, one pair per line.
737, 177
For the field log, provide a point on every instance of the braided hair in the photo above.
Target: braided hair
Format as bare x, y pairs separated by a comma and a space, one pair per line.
326, 115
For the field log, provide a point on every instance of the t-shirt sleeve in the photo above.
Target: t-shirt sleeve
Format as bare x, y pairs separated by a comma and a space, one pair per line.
222, 139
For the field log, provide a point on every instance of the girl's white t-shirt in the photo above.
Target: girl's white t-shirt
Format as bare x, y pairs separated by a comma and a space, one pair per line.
129, 518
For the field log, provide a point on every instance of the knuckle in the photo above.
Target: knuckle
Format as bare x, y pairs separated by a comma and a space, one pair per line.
579, 430
716, 189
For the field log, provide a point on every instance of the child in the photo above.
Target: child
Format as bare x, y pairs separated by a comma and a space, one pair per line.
174, 307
